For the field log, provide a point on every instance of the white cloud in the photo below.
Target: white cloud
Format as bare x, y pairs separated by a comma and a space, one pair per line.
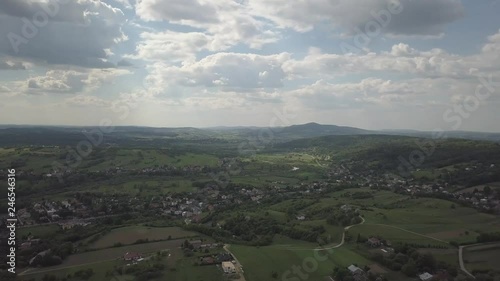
223, 24
76, 32
13, 65
68, 81
171, 46
84, 101
396, 17
226, 71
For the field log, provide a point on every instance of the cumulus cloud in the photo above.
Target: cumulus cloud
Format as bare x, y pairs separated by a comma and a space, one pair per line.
171, 46
56, 32
226, 71
400, 59
222, 24
68, 81
84, 101
396, 17
12, 65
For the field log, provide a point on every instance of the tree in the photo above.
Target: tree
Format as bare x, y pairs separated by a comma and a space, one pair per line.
410, 269
427, 262
487, 190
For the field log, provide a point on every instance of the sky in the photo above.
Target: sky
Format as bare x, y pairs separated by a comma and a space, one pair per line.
372, 64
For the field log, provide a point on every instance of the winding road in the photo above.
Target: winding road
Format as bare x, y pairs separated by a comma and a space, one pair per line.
461, 261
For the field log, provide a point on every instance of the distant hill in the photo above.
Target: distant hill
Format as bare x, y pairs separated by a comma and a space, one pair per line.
62, 135
384, 152
316, 130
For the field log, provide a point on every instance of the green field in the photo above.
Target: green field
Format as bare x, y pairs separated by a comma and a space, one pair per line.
482, 257
145, 187
186, 271
41, 158
449, 256
111, 254
40, 231
260, 263
392, 234
129, 235
100, 269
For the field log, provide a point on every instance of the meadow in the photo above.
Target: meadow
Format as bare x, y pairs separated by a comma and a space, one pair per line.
482, 257
41, 231
130, 234
439, 219
91, 258
259, 263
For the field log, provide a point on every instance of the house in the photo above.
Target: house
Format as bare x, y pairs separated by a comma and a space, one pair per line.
222, 257
354, 269
131, 256
357, 273
25, 246
301, 217
228, 267
195, 243
374, 242
39, 256
346, 208
207, 260
425, 276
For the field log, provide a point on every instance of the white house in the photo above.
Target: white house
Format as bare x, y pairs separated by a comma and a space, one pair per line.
425, 276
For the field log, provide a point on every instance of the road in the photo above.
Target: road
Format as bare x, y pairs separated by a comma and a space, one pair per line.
416, 233
342, 241
461, 261
351, 226
238, 264
343, 236
35, 271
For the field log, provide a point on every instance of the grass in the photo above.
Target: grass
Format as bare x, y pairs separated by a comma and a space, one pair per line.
449, 256
129, 235
146, 187
112, 254
260, 263
393, 235
143, 158
493, 185
482, 257
187, 271
40, 231
41, 158
100, 269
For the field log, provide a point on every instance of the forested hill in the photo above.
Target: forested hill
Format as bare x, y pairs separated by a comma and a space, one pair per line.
386, 152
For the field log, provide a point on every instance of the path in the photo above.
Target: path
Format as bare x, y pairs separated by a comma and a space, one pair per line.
342, 241
461, 261
27, 272
343, 236
362, 222
412, 232
30, 271
239, 267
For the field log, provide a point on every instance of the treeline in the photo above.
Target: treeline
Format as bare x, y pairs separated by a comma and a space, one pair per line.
410, 261
257, 231
488, 237
344, 218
